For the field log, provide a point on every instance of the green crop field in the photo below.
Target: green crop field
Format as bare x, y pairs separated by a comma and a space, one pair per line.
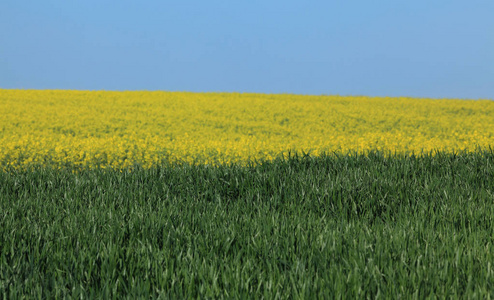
334, 226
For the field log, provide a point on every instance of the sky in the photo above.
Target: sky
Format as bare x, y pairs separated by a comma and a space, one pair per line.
421, 48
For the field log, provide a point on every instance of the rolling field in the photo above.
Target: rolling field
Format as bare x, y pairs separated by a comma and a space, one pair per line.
216, 195
119, 129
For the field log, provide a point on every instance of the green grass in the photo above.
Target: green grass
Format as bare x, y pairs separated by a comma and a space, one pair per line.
303, 227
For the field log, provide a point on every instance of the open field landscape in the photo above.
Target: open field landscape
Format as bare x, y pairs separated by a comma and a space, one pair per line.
119, 129
227, 195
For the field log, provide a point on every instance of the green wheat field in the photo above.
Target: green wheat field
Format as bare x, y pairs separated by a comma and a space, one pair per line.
296, 227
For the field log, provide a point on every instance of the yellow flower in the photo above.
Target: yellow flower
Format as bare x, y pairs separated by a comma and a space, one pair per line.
120, 129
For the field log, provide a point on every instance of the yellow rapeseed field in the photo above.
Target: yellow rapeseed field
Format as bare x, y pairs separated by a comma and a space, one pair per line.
119, 129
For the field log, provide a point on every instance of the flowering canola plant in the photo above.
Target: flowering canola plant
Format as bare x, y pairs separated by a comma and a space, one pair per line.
63, 128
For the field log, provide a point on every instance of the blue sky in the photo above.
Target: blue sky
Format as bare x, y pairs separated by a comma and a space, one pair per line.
439, 49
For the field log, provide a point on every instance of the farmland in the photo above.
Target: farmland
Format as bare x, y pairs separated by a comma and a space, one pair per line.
120, 129
217, 195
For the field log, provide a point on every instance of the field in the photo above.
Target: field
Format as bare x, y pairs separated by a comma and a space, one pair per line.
176, 195
119, 129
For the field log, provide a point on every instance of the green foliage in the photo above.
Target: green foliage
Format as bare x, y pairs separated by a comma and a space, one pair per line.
348, 226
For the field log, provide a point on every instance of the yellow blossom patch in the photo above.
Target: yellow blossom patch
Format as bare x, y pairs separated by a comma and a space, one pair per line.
119, 129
